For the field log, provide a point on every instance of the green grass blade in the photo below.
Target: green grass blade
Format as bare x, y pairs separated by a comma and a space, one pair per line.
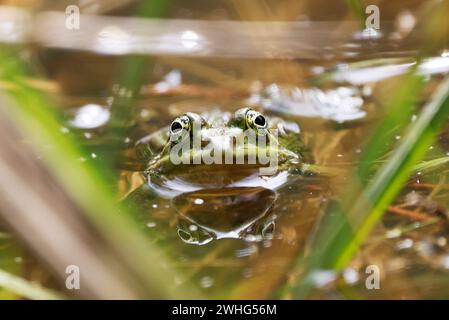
84, 182
400, 110
345, 226
134, 70
356, 7
392, 176
25, 288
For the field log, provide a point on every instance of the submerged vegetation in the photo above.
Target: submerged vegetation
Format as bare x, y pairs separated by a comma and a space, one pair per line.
371, 188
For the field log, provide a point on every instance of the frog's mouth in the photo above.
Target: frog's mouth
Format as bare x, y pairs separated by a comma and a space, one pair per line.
191, 178
223, 213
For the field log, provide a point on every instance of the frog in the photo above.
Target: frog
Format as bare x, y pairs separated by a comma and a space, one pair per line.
214, 169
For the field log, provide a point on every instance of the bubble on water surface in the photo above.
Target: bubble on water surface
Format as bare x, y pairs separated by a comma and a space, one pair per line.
445, 262
404, 244
322, 277
441, 241
350, 275
405, 22
198, 201
90, 116
113, 40
189, 39
393, 233
151, 224
206, 282
172, 79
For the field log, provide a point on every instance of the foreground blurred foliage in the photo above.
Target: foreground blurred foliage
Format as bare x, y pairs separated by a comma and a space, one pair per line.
346, 225
38, 120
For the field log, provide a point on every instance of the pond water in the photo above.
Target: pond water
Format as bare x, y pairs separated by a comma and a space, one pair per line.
335, 98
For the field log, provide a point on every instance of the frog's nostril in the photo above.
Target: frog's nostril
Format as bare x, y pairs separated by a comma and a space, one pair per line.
175, 126
260, 121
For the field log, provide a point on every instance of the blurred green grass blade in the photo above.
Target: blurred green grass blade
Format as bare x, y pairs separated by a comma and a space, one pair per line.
9, 252
345, 226
335, 231
356, 7
392, 176
430, 165
84, 182
133, 71
153, 8
25, 288
400, 109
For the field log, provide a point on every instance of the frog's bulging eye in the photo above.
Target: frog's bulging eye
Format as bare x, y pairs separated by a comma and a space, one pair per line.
179, 128
260, 121
249, 118
256, 121
180, 124
175, 126
185, 126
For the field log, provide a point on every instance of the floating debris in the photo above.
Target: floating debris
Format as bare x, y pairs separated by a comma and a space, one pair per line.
198, 201
206, 282
341, 104
350, 276
171, 80
90, 116
404, 244
322, 278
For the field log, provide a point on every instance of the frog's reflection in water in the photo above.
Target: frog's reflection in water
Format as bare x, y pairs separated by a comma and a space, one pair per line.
238, 212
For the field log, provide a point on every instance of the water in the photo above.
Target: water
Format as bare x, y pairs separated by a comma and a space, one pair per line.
194, 74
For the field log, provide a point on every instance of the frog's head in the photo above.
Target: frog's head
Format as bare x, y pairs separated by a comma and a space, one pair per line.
248, 139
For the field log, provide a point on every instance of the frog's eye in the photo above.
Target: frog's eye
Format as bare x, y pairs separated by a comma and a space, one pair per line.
175, 126
186, 125
179, 128
250, 118
256, 120
179, 124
